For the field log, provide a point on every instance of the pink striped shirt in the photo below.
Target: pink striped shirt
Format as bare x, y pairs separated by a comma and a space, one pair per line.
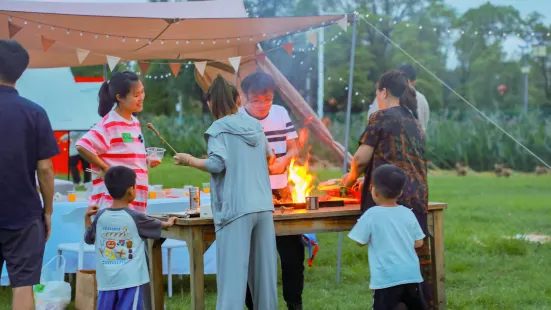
118, 142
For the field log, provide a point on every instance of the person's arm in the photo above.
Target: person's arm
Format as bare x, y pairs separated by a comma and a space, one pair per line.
90, 233
148, 227
361, 232
214, 163
416, 231
291, 136
92, 145
361, 159
364, 154
46, 176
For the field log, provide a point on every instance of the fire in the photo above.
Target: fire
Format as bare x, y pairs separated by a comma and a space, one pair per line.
301, 179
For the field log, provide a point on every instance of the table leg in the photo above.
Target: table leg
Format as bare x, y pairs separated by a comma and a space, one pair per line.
438, 260
156, 274
196, 248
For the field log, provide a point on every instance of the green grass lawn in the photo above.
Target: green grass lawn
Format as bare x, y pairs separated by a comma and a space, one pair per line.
484, 270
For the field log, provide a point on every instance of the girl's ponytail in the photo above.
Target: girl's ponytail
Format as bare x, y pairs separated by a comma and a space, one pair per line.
106, 101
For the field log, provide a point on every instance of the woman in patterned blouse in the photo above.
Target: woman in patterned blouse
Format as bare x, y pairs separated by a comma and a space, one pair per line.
394, 136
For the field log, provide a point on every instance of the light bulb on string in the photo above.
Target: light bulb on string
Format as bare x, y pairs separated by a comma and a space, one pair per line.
202, 42
357, 93
25, 22
96, 36
187, 41
213, 41
67, 32
177, 42
490, 32
81, 33
149, 42
39, 26
381, 19
137, 40
420, 27
123, 39
346, 88
407, 25
434, 29
251, 38
162, 41
394, 22
107, 36
9, 19
329, 78
228, 41
238, 38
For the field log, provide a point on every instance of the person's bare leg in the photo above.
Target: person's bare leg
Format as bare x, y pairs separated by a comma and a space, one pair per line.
22, 298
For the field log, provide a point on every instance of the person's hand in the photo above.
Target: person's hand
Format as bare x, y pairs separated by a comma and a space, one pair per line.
171, 221
153, 162
271, 158
182, 159
278, 166
345, 180
48, 225
92, 210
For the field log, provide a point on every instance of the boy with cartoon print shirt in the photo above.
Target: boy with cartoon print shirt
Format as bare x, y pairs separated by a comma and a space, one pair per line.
119, 235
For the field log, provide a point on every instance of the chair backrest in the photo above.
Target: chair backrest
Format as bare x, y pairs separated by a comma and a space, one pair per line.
76, 216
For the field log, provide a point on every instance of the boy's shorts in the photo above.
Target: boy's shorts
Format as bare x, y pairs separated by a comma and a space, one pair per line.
409, 295
128, 298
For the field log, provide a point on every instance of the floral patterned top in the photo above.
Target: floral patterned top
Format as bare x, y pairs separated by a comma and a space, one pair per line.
397, 139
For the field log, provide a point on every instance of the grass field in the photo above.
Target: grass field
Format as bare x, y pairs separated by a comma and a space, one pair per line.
484, 270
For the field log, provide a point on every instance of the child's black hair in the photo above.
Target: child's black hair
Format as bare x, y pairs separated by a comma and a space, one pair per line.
14, 60
118, 180
410, 72
389, 181
257, 82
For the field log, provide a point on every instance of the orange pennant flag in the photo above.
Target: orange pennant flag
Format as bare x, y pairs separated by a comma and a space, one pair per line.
143, 66
289, 48
46, 44
13, 29
175, 68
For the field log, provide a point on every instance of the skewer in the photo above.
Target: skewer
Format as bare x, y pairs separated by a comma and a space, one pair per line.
150, 126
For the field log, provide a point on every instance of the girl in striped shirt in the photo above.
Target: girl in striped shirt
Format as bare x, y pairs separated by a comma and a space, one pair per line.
117, 140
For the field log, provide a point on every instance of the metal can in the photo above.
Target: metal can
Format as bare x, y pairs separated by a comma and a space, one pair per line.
312, 203
194, 198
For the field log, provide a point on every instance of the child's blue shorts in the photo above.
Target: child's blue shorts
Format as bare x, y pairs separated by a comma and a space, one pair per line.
128, 298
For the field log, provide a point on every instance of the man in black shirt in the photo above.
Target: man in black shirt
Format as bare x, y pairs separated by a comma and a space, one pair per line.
28, 144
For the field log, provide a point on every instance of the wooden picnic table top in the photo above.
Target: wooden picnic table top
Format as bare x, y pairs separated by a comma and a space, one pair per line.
297, 214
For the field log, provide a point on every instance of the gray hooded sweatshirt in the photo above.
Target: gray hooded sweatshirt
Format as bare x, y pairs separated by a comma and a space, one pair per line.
240, 182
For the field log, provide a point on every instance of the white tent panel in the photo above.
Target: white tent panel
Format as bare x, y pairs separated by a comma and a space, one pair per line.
70, 105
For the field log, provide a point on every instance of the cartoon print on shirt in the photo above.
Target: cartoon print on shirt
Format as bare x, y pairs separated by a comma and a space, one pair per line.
116, 245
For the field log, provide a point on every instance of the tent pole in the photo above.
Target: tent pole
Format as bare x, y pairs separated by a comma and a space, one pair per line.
347, 134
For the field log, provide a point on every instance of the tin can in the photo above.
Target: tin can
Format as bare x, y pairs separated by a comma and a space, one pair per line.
312, 203
194, 198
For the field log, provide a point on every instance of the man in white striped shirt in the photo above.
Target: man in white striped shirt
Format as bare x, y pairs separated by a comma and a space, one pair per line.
259, 88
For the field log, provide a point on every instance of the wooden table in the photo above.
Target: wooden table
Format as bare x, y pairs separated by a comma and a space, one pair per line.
199, 235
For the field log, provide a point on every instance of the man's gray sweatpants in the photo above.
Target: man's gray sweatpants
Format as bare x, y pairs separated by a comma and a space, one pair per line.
246, 251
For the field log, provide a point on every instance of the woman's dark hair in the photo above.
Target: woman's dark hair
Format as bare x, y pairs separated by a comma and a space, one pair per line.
396, 83
409, 101
221, 98
118, 180
120, 84
234, 92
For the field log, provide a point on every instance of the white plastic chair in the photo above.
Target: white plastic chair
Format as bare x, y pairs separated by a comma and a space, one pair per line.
76, 217
169, 244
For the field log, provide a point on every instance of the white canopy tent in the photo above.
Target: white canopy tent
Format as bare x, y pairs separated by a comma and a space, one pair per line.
70, 105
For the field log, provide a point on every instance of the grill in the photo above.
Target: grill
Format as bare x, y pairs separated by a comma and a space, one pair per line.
302, 205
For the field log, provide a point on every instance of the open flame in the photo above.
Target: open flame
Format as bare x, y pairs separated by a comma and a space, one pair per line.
302, 181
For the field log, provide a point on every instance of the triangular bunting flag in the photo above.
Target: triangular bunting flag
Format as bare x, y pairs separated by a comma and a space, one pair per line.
201, 66
112, 61
289, 48
143, 66
81, 55
13, 29
46, 44
343, 23
313, 38
261, 56
175, 68
235, 62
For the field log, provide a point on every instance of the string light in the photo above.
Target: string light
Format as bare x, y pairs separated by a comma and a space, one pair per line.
123, 39
81, 34
39, 26
177, 42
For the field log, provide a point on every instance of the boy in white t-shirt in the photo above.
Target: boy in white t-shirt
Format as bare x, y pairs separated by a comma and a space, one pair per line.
392, 233
119, 235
